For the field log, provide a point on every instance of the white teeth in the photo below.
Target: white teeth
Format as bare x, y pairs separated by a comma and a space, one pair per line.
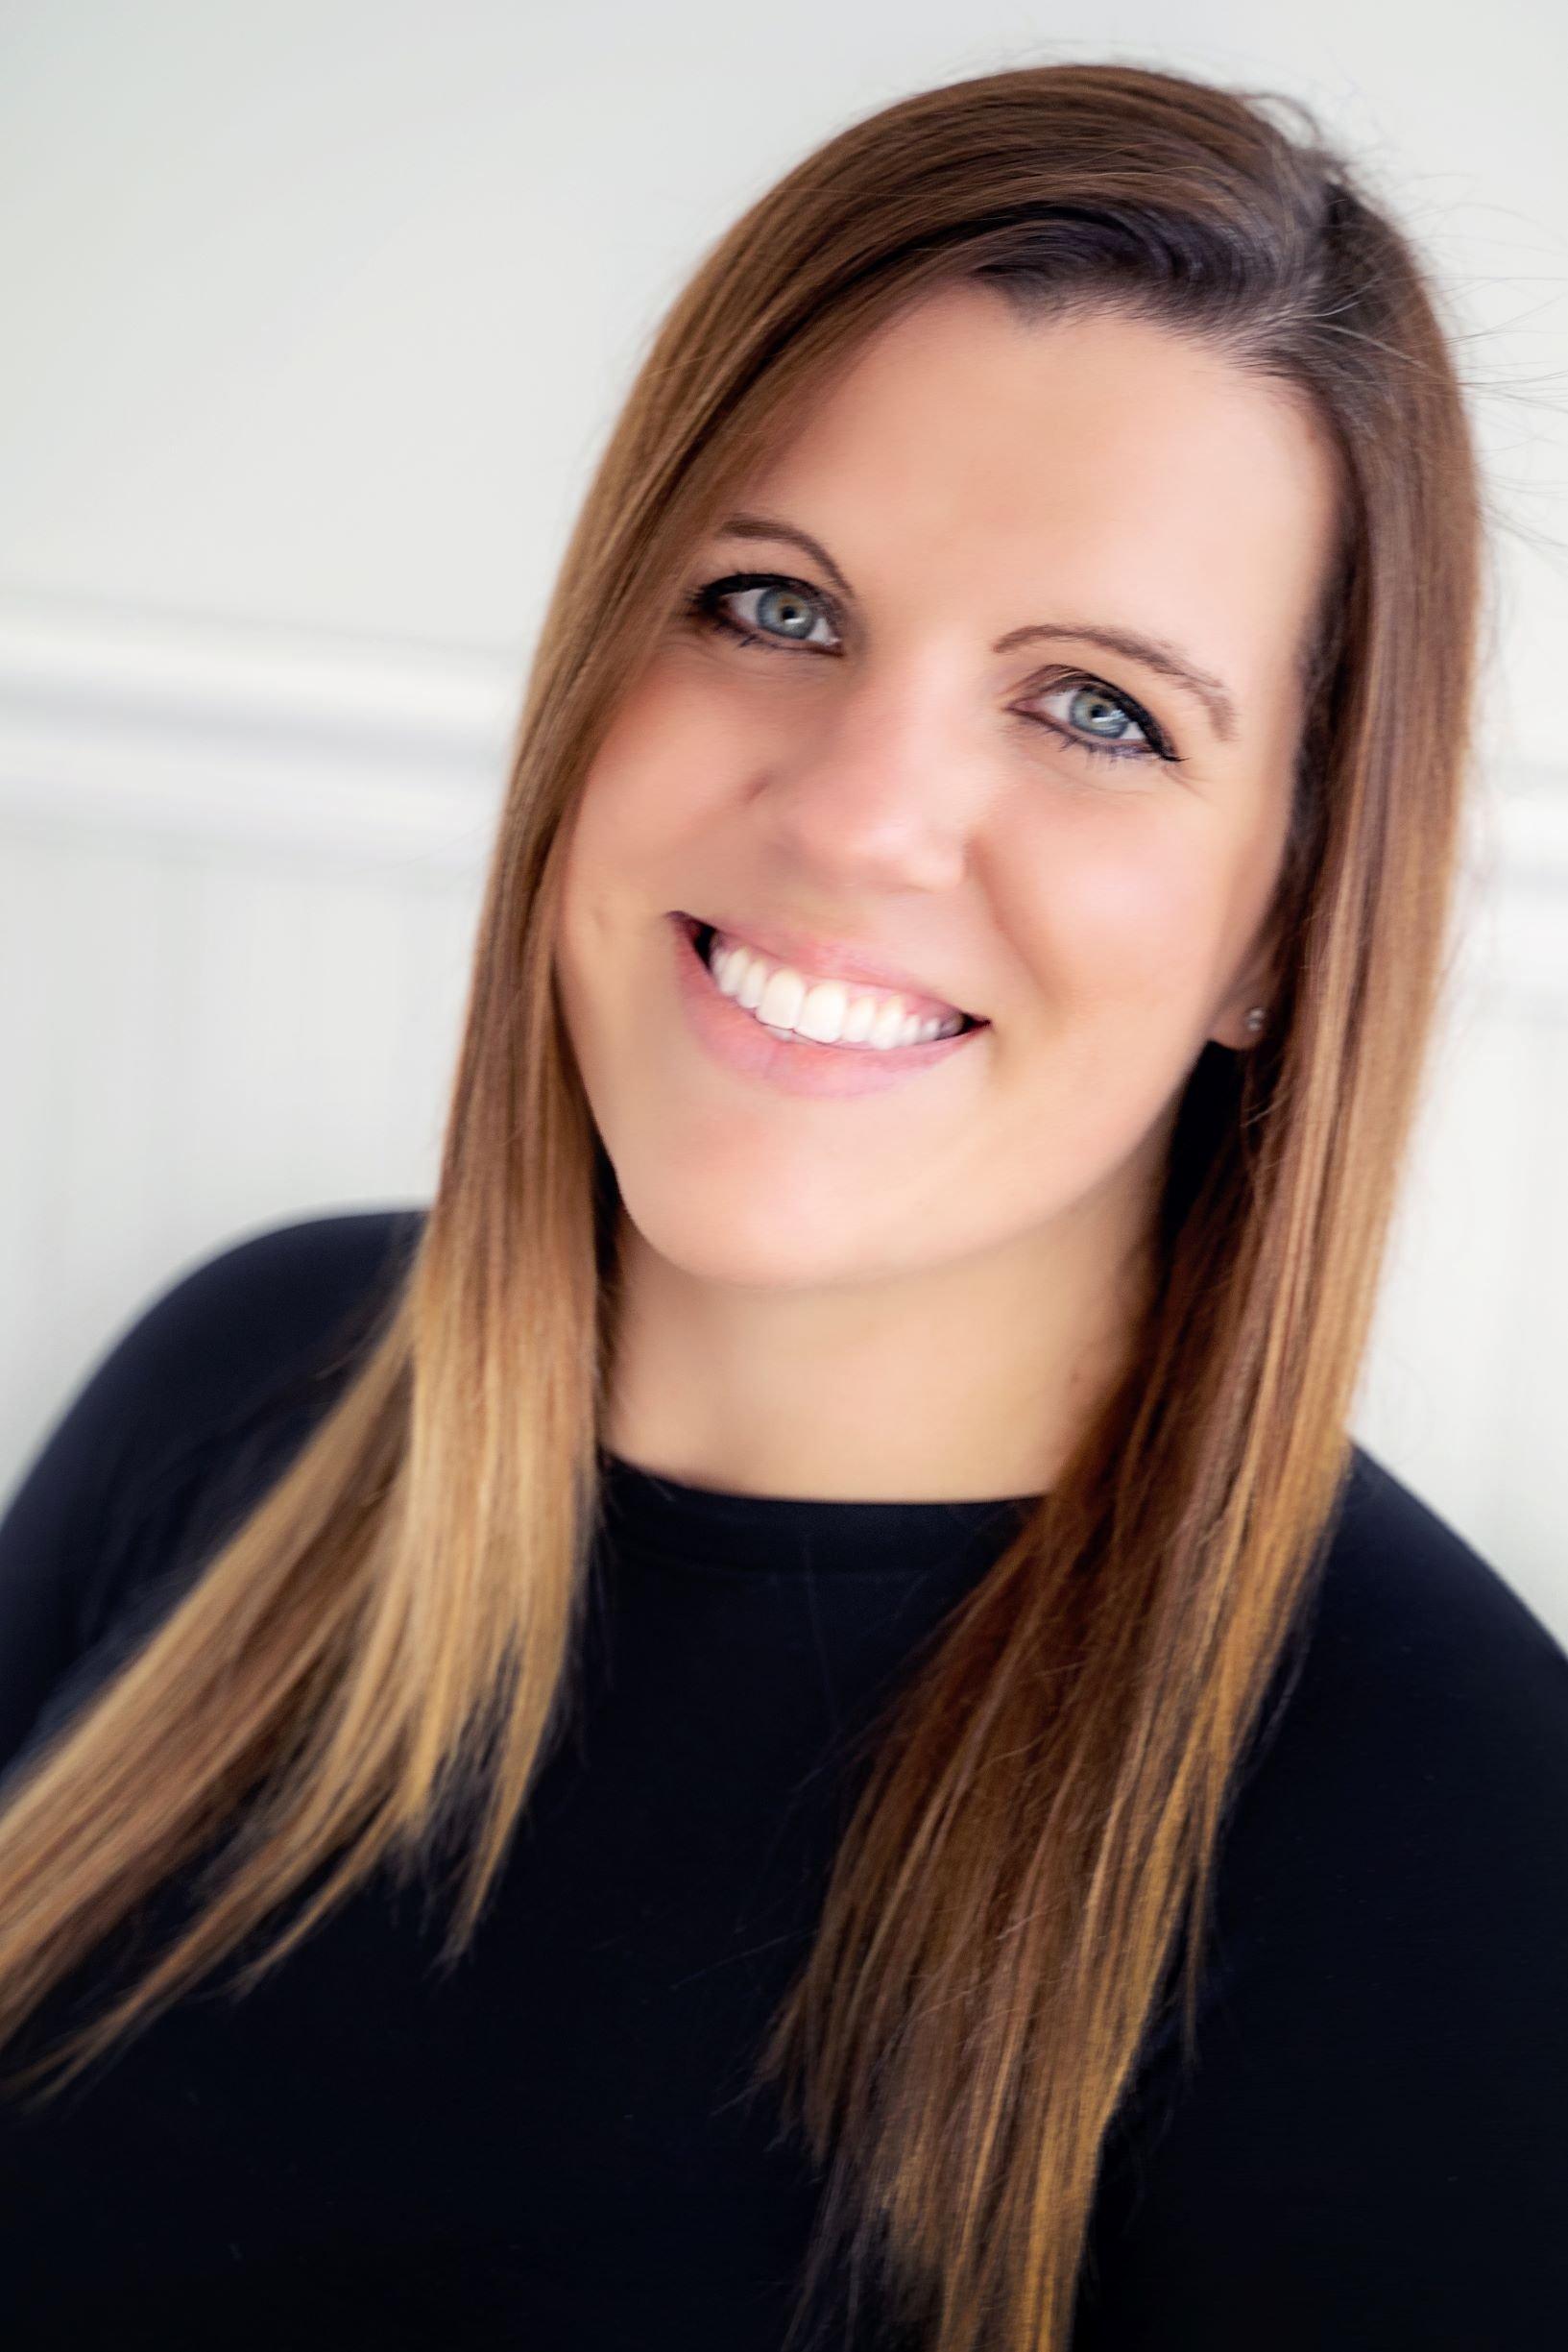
822, 1010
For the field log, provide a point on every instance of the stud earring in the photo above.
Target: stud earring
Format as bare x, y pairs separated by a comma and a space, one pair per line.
1255, 1019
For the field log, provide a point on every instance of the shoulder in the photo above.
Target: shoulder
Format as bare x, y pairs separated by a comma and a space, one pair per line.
1427, 1686
245, 1328
1368, 2146
187, 1403
248, 1322
1393, 1899
1415, 1774
1397, 1572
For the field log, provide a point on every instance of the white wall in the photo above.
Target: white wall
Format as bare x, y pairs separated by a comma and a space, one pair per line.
316, 317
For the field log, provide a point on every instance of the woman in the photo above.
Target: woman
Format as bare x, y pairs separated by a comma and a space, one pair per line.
977, 1816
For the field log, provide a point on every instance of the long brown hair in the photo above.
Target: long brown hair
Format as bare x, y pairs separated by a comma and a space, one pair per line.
372, 1667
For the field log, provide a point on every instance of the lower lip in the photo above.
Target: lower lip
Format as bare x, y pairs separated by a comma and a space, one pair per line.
797, 1065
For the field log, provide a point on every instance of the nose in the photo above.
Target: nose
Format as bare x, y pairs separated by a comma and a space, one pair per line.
877, 790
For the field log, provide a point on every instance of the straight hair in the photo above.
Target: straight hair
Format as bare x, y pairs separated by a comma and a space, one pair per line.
372, 1667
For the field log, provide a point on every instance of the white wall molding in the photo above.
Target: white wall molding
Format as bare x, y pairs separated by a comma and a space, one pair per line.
293, 741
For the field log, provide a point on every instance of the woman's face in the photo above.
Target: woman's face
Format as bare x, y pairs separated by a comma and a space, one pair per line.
929, 754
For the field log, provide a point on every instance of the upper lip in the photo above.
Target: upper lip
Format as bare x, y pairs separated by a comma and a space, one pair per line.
825, 956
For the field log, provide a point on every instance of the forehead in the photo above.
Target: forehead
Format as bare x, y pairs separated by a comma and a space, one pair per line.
965, 458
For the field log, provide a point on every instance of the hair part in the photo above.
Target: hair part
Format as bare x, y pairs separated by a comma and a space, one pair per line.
373, 1668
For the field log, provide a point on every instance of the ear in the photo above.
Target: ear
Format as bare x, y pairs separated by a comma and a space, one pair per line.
1257, 985
1233, 1028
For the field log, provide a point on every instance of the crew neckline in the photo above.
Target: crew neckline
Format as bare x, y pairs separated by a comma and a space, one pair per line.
650, 1513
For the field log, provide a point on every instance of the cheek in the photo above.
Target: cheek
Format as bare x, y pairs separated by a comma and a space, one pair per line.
1122, 917
647, 805
644, 813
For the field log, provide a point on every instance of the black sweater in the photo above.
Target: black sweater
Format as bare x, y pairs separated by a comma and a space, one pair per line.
551, 2148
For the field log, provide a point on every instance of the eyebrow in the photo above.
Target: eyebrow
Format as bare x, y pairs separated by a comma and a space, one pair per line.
1154, 652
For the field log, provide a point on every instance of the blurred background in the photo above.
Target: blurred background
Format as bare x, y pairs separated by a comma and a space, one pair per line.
315, 319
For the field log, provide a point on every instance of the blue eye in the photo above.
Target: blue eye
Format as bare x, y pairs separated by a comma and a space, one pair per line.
1108, 747
795, 608
792, 605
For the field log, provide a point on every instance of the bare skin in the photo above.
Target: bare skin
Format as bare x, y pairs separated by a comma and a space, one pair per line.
918, 1294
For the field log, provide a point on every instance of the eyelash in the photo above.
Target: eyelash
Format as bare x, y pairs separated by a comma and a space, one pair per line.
703, 610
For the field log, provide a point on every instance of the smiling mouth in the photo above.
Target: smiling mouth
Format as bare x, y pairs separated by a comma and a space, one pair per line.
703, 935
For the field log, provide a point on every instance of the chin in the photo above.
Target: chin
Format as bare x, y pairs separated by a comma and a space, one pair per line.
709, 1235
